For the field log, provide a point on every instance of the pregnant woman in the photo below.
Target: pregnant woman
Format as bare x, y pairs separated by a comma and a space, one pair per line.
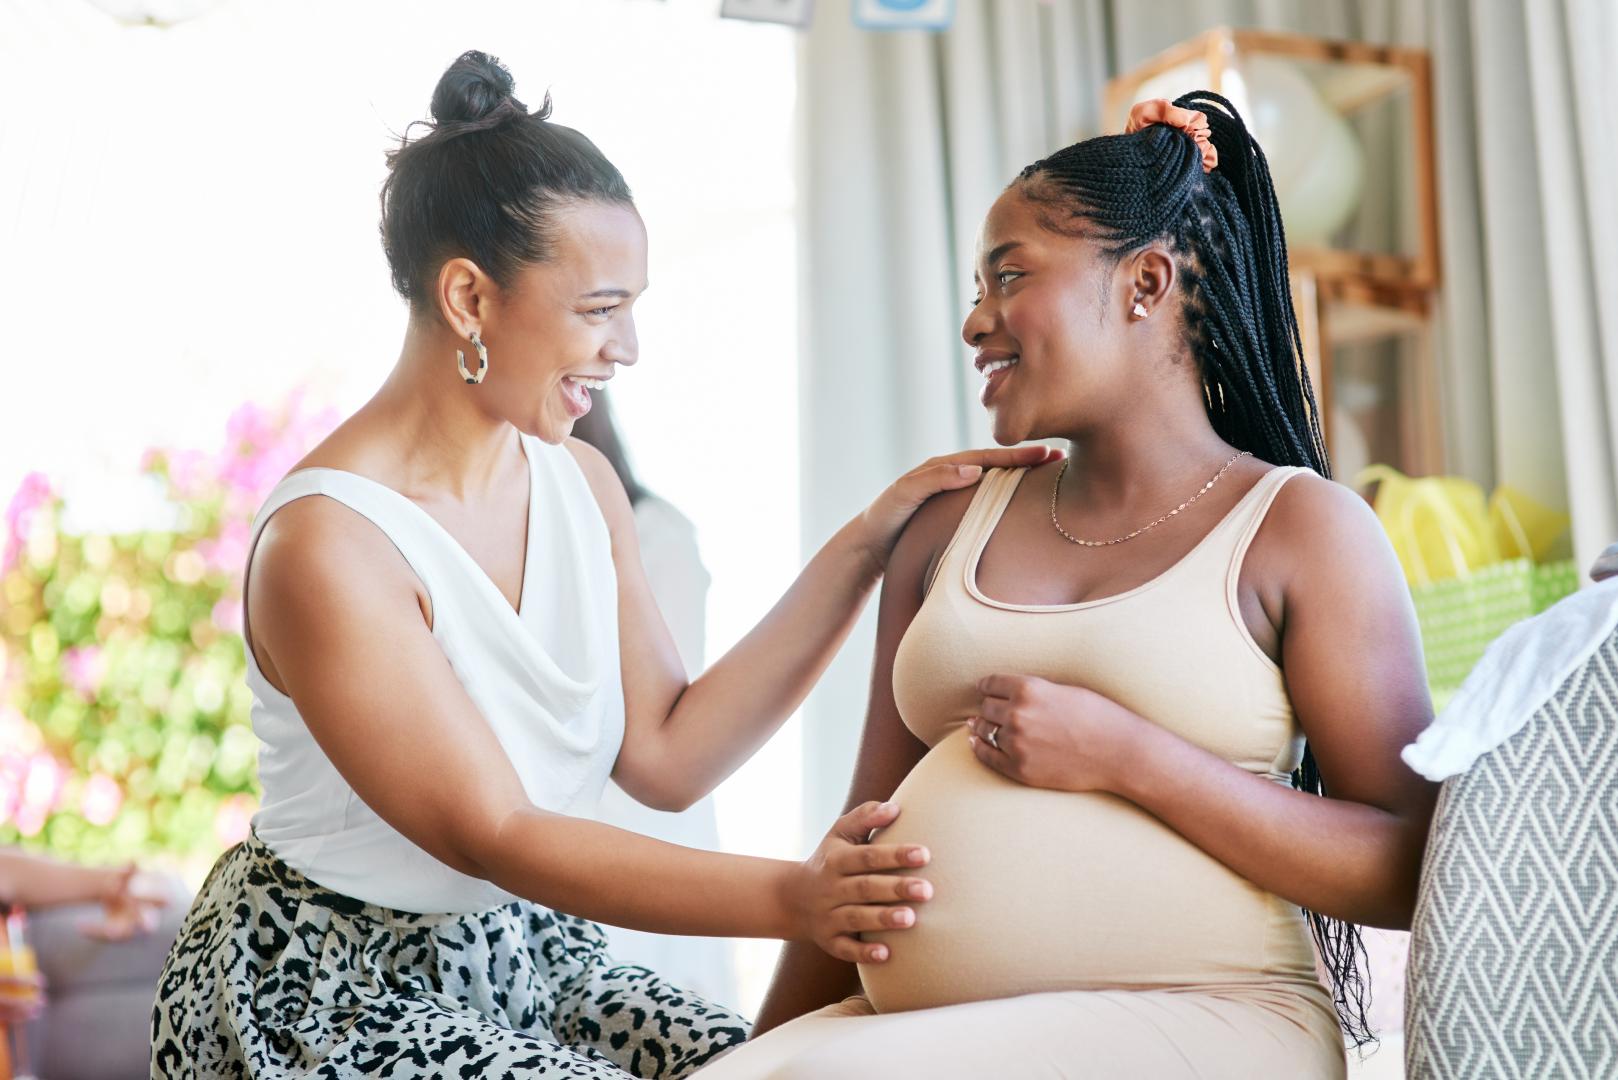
1094, 679
451, 645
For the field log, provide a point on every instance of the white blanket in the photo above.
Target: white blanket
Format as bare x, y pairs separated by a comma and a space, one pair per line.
1518, 674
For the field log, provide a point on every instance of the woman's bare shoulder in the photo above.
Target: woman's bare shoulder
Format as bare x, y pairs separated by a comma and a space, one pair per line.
316, 535
1318, 518
316, 547
1321, 535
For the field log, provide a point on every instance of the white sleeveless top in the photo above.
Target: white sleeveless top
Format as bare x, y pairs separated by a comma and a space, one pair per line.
546, 681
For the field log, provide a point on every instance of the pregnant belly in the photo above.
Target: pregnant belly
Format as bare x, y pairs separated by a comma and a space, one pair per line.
1039, 890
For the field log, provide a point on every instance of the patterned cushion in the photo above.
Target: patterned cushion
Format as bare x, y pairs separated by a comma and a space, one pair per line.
1514, 951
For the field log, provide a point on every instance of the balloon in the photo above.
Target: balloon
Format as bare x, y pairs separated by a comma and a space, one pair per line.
1171, 84
1318, 201
1283, 112
1316, 162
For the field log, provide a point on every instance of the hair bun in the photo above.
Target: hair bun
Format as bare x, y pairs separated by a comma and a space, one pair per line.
476, 87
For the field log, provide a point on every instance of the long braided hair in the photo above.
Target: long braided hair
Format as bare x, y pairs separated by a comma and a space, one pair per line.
1224, 228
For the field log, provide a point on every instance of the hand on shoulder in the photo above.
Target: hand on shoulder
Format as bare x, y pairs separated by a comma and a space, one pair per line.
926, 535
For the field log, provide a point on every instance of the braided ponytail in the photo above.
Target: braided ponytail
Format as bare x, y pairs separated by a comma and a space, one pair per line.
1224, 228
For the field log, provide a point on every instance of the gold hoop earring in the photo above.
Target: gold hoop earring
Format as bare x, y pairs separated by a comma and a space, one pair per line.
483, 361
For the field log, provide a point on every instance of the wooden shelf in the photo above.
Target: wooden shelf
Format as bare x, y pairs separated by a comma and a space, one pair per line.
1361, 310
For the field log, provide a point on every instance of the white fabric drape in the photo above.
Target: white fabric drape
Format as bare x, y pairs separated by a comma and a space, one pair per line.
909, 136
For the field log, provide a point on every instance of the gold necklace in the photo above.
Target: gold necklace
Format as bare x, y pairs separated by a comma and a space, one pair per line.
1057, 488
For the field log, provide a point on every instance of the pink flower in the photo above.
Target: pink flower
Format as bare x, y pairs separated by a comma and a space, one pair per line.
13, 770
248, 477
84, 667
101, 799
30, 819
32, 494
41, 790
227, 615
251, 423
227, 552
189, 472
318, 426
261, 444
235, 817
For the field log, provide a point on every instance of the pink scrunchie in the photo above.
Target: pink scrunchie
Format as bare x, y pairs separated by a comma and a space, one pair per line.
1193, 123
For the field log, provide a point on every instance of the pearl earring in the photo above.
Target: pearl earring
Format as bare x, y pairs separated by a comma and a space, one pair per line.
1139, 310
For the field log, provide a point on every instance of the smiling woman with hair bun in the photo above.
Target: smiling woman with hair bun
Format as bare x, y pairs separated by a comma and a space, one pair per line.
451, 646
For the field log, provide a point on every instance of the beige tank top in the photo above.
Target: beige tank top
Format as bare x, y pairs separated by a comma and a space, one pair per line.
1041, 890
1174, 649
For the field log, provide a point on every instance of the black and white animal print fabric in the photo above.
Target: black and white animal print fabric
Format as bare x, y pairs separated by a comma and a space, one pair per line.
274, 977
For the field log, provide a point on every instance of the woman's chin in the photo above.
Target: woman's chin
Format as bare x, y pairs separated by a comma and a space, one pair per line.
1007, 430
555, 434
552, 429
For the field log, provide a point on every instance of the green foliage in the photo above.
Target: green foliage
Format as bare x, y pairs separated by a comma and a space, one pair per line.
124, 717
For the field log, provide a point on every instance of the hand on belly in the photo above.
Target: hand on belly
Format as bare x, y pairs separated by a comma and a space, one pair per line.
1038, 890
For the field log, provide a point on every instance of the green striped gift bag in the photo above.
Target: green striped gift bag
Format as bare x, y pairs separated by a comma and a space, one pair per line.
1459, 616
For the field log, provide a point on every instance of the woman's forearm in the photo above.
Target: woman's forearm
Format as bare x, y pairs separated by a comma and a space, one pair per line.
37, 881
612, 876
1339, 858
734, 707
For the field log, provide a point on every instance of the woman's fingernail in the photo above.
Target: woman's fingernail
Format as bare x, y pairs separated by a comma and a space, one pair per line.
972, 741
903, 917
918, 855
879, 954
968, 470
919, 890
888, 807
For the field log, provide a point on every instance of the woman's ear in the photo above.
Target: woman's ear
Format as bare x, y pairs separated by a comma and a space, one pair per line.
463, 292
1151, 279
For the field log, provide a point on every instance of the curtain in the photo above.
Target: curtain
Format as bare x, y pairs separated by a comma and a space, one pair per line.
909, 136
1571, 48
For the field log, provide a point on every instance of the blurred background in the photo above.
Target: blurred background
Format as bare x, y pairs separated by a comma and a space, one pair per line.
195, 292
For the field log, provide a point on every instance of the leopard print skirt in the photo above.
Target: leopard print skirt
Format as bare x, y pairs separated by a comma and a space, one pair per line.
273, 976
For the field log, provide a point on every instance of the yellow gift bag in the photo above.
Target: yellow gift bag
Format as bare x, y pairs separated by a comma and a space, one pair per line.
1471, 562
